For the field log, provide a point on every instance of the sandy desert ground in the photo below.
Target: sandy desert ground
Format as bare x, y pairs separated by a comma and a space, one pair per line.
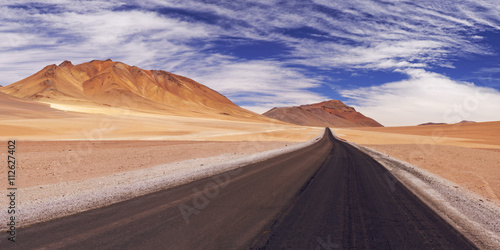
470, 135
467, 154
63, 143
67, 122
50, 162
92, 134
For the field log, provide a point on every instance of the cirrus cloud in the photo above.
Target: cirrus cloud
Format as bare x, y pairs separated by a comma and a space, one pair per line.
203, 40
426, 97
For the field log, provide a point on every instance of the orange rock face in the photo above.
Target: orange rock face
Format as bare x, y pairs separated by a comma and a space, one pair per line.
331, 113
116, 84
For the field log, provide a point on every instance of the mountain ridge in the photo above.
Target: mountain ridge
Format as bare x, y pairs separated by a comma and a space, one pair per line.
115, 84
442, 123
332, 113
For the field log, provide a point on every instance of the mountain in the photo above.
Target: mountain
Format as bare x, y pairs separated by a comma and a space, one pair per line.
115, 84
431, 123
465, 121
441, 123
331, 113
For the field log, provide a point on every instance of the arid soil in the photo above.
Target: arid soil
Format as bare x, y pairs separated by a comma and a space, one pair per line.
83, 122
467, 154
477, 170
481, 134
473, 215
90, 190
49, 162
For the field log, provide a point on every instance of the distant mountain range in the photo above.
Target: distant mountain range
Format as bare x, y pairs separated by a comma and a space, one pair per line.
331, 113
115, 84
441, 123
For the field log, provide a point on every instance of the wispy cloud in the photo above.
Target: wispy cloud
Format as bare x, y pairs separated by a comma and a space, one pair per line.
182, 36
426, 97
266, 83
149, 39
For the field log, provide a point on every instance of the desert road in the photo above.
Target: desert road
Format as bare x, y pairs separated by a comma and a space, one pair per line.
326, 196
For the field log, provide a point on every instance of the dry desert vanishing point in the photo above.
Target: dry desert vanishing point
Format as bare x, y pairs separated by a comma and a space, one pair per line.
102, 119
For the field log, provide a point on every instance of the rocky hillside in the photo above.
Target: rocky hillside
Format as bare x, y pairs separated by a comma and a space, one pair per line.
331, 113
115, 84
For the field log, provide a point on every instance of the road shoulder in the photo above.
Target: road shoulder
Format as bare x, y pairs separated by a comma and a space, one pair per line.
471, 214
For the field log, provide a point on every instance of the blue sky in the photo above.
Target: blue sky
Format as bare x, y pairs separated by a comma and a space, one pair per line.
399, 62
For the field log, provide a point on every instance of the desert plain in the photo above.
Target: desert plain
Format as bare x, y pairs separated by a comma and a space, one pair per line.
467, 154
96, 126
69, 143
74, 144
62, 143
